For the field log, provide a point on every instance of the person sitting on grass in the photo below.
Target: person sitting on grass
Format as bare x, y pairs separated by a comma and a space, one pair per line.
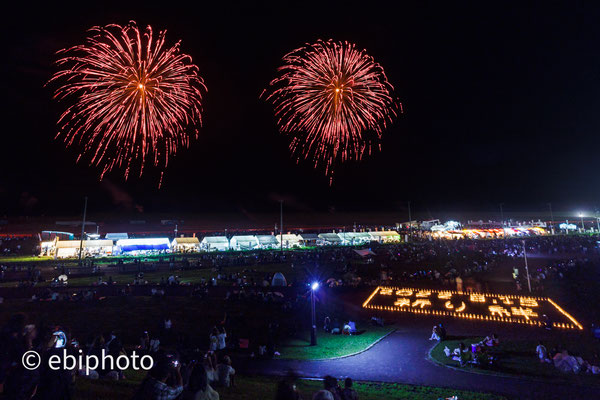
323, 395
491, 341
331, 384
348, 393
154, 387
542, 353
198, 387
435, 333
286, 391
226, 373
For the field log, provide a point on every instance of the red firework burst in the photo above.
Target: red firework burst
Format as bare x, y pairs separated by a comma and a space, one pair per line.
334, 100
134, 97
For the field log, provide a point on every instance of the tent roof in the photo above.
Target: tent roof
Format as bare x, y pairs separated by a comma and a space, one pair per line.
331, 237
186, 240
215, 239
355, 235
245, 238
289, 237
384, 233
266, 239
70, 244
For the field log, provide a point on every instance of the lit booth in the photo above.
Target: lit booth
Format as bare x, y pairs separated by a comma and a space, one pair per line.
330, 239
354, 238
215, 243
289, 240
385, 236
309, 239
267, 242
185, 245
143, 246
244, 242
90, 248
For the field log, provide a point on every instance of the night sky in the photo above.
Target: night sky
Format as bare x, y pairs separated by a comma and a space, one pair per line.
501, 105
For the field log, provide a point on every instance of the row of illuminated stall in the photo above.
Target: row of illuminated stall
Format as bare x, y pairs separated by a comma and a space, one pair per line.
120, 244
487, 233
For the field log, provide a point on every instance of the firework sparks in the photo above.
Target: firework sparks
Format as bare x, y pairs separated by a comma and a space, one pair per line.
334, 100
133, 98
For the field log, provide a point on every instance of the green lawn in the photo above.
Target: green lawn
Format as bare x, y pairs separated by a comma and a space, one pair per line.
329, 346
518, 357
186, 276
252, 388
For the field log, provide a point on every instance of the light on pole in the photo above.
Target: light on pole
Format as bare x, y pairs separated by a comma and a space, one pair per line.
582, 226
526, 267
551, 218
313, 328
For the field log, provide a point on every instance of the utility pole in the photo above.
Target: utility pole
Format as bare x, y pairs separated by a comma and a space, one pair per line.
526, 267
82, 230
551, 218
409, 221
501, 214
281, 223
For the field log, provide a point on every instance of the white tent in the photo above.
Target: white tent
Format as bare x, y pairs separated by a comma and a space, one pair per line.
385, 236
309, 239
244, 242
70, 248
355, 238
278, 280
330, 238
215, 243
267, 241
289, 240
185, 245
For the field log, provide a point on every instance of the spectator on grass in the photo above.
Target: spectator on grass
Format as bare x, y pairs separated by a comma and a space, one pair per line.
323, 395
155, 386
226, 373
331, 384
348, 393
221, 339
435, 333
199, 387
286, 391
213, 340
542, 353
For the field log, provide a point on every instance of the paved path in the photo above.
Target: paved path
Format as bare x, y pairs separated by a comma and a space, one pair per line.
402, 357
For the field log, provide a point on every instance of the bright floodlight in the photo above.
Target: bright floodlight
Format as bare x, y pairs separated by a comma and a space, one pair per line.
314, 286
580, 215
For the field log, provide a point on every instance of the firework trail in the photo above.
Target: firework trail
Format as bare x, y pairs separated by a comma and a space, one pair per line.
132, 98
334, 100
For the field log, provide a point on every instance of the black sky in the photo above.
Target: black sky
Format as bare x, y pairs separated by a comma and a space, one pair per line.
501, 104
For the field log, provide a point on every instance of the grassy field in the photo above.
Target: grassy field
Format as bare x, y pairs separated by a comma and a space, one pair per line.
252, 388
329, 346
257, 272
518, 357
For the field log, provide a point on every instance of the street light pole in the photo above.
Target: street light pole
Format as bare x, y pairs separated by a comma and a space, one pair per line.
501, 214
526, 267
82, 229
409, 221
281, 223
582, 225
313, 315
551, 218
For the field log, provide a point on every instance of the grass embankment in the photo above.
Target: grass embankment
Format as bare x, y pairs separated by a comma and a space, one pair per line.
518, 358
330, 346
252, 388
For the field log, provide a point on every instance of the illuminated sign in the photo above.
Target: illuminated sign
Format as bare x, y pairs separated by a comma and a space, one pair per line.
526, 310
